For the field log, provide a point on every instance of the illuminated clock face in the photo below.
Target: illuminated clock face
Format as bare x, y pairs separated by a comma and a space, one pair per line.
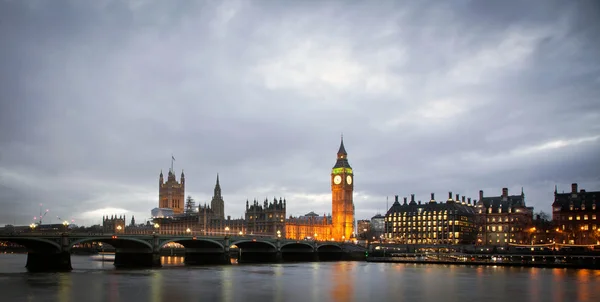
337, 179
349, 179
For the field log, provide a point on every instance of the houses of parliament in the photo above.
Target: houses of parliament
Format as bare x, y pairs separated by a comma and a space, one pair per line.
176, 215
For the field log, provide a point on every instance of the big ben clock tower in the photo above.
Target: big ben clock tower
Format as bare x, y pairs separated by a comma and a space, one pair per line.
342, 188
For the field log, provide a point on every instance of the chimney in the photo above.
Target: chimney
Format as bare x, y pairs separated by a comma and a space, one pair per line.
463, 200
574, 188
412, 197
480, 194
449, 195
404, 200
432, 198
457, 198
228, 217
469, 200
419, 202
504, 192
396, 198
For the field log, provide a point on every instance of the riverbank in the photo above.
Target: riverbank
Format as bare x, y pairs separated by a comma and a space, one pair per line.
579, 263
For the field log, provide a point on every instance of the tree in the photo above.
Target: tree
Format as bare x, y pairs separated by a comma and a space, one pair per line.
190, 205
542, 216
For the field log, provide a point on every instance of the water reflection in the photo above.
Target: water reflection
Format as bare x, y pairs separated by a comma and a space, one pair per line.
65, 283
302, 282
342, 279
172, 260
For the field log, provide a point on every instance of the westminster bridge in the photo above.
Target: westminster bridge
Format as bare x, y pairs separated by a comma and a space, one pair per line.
53, 252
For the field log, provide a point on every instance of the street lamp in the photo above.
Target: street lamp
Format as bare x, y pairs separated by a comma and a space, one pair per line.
32, 226
241, 233
156, 226
278, 234
316, 236
227, 230
66, 224
188, 231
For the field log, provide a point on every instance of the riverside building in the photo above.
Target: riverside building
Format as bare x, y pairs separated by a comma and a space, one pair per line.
449, 222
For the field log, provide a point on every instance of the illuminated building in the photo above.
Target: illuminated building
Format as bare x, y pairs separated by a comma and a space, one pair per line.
577, 216
342, 190
341, 225
267, 218
171, 194
309, 226
450, 222
503, 220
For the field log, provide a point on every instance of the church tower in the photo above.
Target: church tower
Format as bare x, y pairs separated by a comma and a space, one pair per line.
171, 194
217, 204
342, 188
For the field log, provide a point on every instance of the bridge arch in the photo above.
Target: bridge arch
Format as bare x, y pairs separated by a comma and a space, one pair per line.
243, 244
328, 247
34, 244
188, 242
303, 245
120, 242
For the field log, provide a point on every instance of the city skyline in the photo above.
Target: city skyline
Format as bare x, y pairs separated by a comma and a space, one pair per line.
431, 97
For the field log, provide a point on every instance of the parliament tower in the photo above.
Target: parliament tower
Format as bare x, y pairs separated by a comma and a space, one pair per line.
171, 194
217, 204
342, 205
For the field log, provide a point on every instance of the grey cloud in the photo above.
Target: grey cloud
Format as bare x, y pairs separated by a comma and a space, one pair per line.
431, 97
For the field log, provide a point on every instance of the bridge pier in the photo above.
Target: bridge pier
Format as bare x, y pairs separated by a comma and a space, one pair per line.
137, 260
48, 262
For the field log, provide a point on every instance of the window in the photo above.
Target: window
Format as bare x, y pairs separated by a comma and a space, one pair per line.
585, 217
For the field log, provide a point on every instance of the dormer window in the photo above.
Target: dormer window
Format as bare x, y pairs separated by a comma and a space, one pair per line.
583, 206
594, 207
571, 207
500, 210
490, 210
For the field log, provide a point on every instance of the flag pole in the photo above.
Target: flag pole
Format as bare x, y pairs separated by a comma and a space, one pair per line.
172, 160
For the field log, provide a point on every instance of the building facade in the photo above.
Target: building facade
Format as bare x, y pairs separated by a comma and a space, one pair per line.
450, 222
576, 216
378, 225
171, 194
113, 224
310, 226
266, 219
504, 220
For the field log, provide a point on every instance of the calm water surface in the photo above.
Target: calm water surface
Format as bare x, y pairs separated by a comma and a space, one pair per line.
340, 281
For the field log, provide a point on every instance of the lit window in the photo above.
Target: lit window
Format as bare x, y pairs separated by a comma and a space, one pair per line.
578, 217
570, 217
585, 217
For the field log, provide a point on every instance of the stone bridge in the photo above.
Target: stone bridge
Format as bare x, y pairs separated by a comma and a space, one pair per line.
53, 252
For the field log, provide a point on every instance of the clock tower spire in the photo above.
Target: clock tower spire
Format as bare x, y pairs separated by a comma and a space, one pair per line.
342, 189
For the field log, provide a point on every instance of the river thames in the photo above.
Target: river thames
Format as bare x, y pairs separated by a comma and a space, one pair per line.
92, 281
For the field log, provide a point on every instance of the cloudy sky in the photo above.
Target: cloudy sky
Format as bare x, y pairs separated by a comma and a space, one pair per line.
435, 96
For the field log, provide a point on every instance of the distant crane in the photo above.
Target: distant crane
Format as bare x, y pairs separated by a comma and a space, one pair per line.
41, 215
